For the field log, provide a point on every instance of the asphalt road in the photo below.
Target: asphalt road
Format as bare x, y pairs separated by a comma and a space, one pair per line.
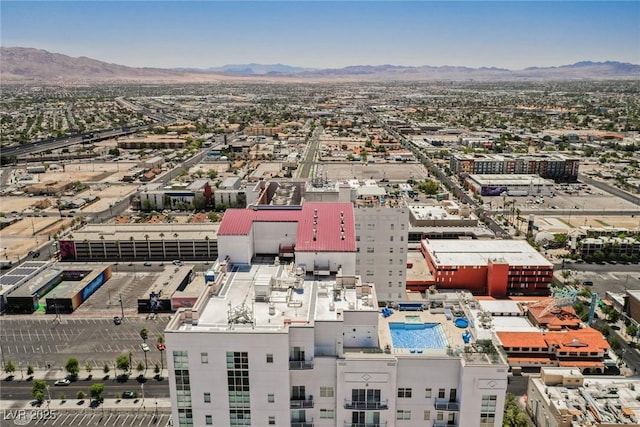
21, 390
40, 340
605, 277
306, 164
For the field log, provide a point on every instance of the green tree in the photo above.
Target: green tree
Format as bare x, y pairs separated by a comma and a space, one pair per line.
122, 362
429, 187
72, 366
81, 395
632, 330
96, 390
144, 334
615, 344
106, 369
10, 367
30, 370
37, 390
88, 368
140, 368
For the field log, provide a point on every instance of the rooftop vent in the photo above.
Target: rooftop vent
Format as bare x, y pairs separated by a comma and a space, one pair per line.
314, 234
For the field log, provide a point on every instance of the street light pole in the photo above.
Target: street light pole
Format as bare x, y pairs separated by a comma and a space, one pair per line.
121, 306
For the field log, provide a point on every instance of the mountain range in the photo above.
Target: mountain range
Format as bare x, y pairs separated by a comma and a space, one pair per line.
19, 64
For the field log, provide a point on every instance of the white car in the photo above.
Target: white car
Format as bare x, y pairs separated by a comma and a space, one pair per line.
64, 381
145, 347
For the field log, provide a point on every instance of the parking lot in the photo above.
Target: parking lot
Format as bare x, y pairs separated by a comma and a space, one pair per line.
41, 340
107, 419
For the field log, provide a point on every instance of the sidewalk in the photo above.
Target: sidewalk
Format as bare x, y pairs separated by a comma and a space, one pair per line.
96, 375
71, 403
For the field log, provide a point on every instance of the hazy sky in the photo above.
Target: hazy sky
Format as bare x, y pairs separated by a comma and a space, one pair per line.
321, 34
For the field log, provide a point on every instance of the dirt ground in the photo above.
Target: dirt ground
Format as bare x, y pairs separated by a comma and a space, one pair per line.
108, 196
17, 203
19, 238
561, 224
377, 171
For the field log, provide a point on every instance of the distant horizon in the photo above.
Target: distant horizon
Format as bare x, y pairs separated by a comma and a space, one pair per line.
319, 34
186, 67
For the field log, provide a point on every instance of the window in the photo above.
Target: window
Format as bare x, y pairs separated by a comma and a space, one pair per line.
207, 398
326, 414
391, 238
269, 358
488, 410
272, 420
403, 414
427, 415
404, 392
204, 357
370, 250
326, 391
440, 416
208, 420
427, 393
180, 360
271, 398
440, 393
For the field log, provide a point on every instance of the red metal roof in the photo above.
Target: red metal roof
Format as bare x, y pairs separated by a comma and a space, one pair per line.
327, 217
238, 222
328, 225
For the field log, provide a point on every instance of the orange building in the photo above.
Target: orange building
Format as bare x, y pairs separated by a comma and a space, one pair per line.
488, 267
582, 348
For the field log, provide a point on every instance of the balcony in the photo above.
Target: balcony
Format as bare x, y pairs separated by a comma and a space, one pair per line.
445, 424
372, 424
301, 423
301, 403
446, 405
300, 364
363, 405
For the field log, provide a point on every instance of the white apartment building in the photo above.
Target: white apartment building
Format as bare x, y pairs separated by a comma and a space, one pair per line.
381, 229
268, 345
381, 225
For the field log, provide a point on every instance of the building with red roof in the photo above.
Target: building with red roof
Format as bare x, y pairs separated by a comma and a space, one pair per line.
320, 236
583, 348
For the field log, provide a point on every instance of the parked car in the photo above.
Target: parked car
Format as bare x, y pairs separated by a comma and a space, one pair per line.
587, 283
128, 394
117, 320
145, 347
177, 262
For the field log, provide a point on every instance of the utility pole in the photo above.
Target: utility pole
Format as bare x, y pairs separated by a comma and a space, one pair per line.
121, 306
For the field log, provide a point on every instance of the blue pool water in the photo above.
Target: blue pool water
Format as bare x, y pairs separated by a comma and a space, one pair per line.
421, 335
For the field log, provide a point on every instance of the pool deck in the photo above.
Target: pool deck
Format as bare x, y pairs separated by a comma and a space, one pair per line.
453, 334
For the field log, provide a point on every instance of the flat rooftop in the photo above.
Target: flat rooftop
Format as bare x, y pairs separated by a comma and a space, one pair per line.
613, 399
125, 232
479, 252
291, 299
166, 284
69, 288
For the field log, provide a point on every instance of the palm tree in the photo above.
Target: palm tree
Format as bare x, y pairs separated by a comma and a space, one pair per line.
206, 238
89, 246
146, 236
133, 244
104, 246
164, 251
160, 340
177, 244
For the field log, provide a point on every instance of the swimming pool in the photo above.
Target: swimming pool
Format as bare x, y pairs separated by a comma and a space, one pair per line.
422, 335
